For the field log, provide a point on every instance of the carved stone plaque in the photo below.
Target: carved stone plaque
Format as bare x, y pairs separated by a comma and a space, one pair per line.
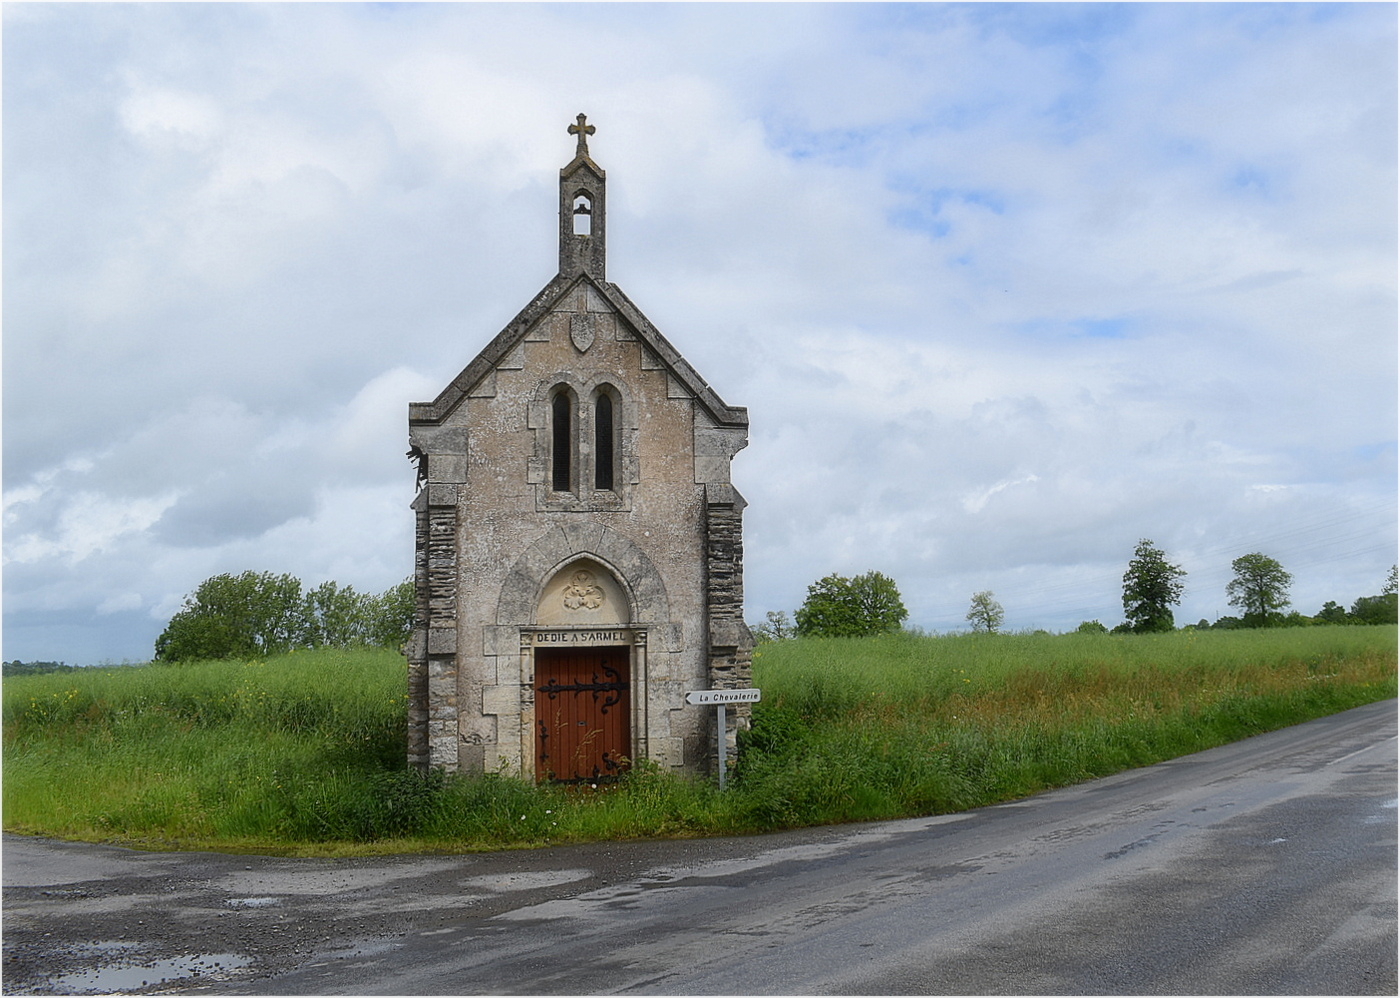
581, 331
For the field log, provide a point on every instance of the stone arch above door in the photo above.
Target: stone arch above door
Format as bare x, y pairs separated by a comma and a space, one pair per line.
634, 572
583, 593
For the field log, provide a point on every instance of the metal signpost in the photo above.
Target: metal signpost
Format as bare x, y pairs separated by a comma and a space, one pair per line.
719, 698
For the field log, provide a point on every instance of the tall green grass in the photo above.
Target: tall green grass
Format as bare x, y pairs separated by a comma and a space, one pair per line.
305, 753
208, 752
855, 729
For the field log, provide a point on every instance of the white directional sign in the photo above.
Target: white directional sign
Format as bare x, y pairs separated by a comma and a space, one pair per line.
717, 697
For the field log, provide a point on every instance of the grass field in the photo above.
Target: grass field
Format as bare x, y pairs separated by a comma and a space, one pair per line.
303, 754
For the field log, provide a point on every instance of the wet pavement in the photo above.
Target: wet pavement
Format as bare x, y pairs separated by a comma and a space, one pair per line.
1267, 866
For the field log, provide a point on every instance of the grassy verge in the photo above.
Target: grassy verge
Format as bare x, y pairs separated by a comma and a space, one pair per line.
304, 754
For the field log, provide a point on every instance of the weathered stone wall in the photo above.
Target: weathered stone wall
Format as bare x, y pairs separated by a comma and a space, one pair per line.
503, 505
494, 533
731, 644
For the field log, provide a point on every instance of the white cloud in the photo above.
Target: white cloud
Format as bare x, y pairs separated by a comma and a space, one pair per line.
118, 603
89, 524
161, 115
1004, 287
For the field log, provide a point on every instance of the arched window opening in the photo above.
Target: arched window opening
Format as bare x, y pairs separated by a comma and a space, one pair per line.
561, 454
583, 215
603, 442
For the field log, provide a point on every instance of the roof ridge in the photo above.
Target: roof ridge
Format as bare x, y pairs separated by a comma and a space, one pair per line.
541, 305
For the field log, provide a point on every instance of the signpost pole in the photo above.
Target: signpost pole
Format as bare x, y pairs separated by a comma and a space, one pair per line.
719, 698
722, 747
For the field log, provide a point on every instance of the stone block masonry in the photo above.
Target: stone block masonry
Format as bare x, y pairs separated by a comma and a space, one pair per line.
579, 546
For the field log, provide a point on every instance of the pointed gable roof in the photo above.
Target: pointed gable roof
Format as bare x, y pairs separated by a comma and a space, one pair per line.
582, 260
549, 298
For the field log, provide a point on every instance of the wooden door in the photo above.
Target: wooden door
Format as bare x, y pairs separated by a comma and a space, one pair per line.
582, 714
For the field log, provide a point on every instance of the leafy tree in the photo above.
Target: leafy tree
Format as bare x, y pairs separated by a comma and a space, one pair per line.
1331, 613
335, 615
232, 616
985, 613
1376, 609
390, 615
1151, 586
837, 607
775, 627
254, 614
194, 635
1259, 589
1090, 627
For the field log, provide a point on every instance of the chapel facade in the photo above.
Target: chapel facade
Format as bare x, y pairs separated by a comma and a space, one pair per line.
579, 549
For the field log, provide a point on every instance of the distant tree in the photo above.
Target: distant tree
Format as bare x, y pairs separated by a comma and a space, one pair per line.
1227, 624
1090, 627
1373, 610
1377, 609
775, 627
838, 607
1259, 589
257, 613
390, 615
985, 614
1151, 587
1331, 613
194, 635
18, 668
336, 616
235, 616
1392, 584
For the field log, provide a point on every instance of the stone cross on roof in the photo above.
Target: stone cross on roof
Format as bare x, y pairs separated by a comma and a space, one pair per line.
582, 130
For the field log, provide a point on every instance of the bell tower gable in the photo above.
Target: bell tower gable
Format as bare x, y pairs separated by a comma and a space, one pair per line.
583, 220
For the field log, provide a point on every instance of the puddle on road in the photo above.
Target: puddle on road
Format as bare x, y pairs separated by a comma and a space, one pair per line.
130, 972
502, 883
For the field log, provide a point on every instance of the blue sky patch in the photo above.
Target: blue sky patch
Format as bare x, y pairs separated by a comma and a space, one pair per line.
923, 210
1103, 329
1369, 452
1099, 329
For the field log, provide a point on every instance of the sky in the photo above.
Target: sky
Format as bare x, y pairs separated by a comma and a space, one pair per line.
1005, 288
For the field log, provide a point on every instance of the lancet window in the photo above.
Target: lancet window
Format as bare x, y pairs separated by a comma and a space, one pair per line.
604, 437
562, 440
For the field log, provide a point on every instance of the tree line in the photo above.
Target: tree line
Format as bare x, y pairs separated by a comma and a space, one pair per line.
870, 604
1259, 590
18, 668
254, 614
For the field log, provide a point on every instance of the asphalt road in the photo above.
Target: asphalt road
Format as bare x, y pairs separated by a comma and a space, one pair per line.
1263, 867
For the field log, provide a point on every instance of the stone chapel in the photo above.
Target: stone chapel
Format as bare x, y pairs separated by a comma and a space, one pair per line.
579, 550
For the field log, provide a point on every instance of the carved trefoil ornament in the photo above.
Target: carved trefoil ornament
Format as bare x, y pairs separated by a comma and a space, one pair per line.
581, 331
582, 593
